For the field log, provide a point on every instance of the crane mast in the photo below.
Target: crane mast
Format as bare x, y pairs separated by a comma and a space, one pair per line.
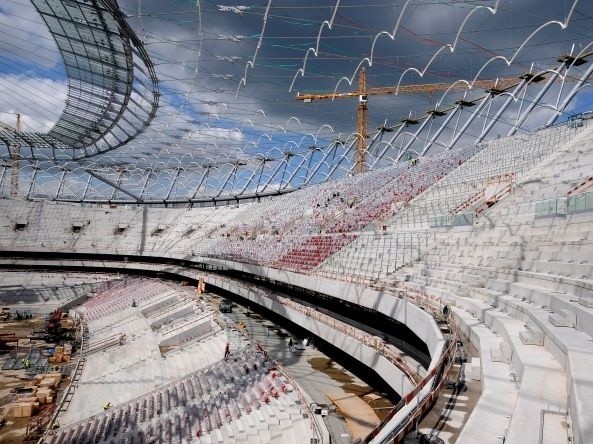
498, 85
362, 123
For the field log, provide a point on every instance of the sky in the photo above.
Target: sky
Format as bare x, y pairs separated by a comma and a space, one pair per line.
229, 71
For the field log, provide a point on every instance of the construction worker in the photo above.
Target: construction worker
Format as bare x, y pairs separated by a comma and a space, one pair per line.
107, 406
460, 386
227, 350
290, 344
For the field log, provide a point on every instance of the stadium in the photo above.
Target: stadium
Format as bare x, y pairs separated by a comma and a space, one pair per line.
324, 221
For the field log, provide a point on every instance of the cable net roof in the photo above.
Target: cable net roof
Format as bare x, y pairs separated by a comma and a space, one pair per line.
175, 101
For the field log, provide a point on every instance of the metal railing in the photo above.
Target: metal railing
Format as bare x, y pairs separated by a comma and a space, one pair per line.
226, 322
435, 377
359, 335
69, 392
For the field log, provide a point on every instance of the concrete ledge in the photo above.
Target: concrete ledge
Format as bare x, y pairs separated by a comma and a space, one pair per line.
490, 417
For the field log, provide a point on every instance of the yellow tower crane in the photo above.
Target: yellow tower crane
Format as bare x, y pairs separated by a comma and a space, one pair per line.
498, 85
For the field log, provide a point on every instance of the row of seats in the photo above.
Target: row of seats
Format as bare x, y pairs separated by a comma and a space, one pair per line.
515, 155
521, 288
284, 222
374, 255
298, 253
386, 200
194, 406
166, 334
200, 394
114, 300
311, 252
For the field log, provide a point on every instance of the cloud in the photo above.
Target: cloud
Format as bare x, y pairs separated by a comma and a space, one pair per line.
26, 40
204, 135
199, 112
39, 101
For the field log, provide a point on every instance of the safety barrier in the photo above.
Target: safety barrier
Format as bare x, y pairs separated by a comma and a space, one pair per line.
436, 377
361, 336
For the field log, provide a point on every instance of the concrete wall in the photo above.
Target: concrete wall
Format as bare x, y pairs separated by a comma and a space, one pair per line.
416, 319
361, 352
183, 334
420, 322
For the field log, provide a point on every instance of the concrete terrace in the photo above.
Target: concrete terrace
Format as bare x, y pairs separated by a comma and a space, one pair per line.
184, 390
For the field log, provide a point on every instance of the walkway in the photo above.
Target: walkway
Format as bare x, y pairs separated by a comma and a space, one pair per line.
320, 377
